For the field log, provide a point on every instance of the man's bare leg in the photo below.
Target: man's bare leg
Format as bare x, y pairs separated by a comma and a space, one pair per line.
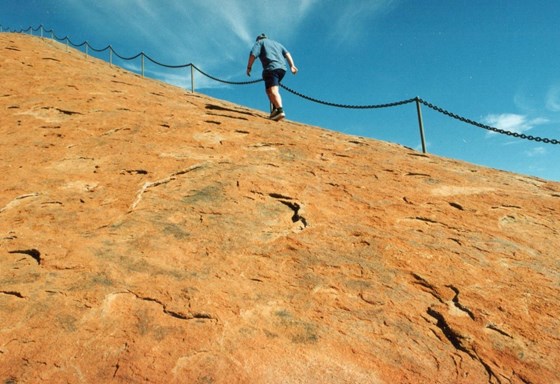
273, 94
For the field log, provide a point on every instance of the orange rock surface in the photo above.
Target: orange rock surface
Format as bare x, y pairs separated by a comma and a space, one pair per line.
152, 235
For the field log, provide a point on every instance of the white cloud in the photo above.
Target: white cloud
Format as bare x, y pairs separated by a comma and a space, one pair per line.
215, 33
537, 151
553, 99
512, 122
305, 6
525, 101
354, 18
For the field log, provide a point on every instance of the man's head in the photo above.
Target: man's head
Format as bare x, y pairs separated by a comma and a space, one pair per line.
261, 36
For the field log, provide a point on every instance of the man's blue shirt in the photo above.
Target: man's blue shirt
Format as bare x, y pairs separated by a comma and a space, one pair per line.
271, 54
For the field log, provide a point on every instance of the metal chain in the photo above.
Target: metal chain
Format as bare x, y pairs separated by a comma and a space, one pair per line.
225, 81
487, 127
127, 58
387, 105
74, 44
98, 50
166, 65
58, 38
345, 105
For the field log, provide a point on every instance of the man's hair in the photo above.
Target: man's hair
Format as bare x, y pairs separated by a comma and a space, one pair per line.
261, 36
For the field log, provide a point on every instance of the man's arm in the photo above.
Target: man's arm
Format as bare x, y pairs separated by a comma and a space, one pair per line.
293, 68
250, 64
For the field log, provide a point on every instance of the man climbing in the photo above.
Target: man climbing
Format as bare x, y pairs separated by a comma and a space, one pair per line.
272, 55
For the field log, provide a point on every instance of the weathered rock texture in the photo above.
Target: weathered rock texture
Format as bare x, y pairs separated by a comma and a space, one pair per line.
152, 235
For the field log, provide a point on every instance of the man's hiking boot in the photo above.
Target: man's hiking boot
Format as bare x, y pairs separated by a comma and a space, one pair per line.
277, 114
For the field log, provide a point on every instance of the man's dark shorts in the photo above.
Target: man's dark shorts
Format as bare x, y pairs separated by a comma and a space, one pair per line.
273, 78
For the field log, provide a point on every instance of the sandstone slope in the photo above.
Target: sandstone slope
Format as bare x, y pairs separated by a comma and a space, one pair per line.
152, 235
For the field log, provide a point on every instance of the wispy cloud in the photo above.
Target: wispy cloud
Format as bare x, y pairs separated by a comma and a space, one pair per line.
216, 34
537, 151
512, 122
553, 99
354, 19
245, 19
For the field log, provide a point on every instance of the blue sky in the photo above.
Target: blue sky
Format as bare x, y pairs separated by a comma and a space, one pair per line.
496, 62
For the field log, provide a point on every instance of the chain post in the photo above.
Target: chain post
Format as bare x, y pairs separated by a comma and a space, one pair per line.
142, 57
420, 124
110, 56
192, 78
